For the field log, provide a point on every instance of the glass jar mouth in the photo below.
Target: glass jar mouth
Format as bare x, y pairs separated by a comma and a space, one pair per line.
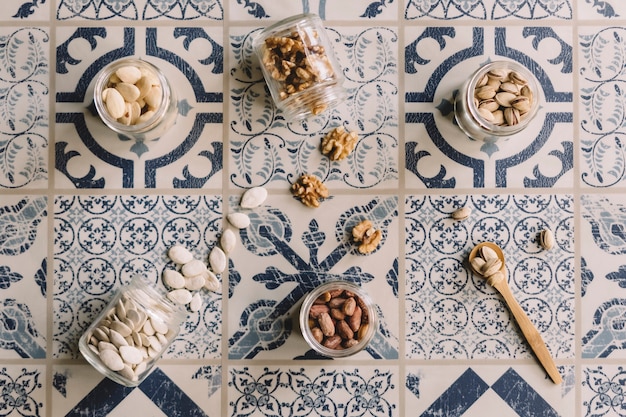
367, 303
102, 79
497, 129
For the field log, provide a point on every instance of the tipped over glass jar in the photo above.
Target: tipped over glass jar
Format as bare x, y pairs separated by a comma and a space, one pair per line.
135, 99
338, 319
127, 338
299, 66
498, 100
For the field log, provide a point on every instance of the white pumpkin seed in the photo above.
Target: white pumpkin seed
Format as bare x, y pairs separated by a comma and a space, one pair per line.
195, 283
179, 254
128, 74
158, 326
193, 268
115, 103
128, 373
139, 369
112, 360
239, 220
117, 339
173, 279
228, 240
181, 296
253, 197
196, 302
211, 282
217, 259
131, 355
121, 328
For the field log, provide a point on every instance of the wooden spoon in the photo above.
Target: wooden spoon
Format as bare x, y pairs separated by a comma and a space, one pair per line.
500, 283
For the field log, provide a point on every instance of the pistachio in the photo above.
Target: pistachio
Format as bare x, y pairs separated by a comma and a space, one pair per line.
461, 213
546, 239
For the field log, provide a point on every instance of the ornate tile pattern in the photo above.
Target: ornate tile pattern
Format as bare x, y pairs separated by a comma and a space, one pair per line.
266, 150
452, 313
24, 91
88, 155
489, 9
100, 242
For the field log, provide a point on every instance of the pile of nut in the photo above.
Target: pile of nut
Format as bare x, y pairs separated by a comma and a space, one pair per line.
503, 97
128, 338
309, 189
368, 237
297, 61
338, 319
338, 143
132, 95
488, 264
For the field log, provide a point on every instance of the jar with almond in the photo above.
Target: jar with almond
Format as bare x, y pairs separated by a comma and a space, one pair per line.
338, 319
500, 99
134, 98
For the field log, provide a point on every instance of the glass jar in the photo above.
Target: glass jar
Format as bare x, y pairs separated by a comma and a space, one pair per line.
146, 116
300, 67
128, 337
498, 100
348, 329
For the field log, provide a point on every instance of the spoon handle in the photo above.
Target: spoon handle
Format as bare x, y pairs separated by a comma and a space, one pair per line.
530, 332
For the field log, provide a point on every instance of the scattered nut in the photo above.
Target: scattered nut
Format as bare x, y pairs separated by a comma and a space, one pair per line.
461, 213
546, 239
369, 237
338, 143
309, 189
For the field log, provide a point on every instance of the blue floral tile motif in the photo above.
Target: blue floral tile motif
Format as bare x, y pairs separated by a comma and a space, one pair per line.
603, 118
604, 246
189, 155
267, 150
452, 313
101, 242
23, 107
593, 9
279, 9
26, 9
286, 252
489, 9
522, 391
22, 391
439, 155
139, 9
23, 266
313, 391
602, 391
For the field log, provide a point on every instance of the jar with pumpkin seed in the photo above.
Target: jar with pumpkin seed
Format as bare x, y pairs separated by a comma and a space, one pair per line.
135, 99
500, 99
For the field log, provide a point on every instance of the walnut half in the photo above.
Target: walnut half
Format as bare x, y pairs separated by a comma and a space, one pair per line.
338, 143
369, 237
309, 189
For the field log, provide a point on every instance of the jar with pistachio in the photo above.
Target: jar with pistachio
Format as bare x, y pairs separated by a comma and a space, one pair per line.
498, 100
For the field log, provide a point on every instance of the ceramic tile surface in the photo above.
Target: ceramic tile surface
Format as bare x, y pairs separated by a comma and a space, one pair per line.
83, 209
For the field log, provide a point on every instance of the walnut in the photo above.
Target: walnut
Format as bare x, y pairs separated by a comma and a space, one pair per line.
338, 143
309, 189
369, 237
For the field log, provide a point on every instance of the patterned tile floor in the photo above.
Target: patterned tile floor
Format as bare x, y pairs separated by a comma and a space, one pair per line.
83, 209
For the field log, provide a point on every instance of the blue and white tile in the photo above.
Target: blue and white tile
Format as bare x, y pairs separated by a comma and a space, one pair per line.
488, 391
287, 251
189, 155
598, 9
24, 96
22, 11
23, 390
602, 390
603, 276
23, 269
313, 391
439, 155
452, 313
169, 391
145, 10
602, 104
273, 10
489, 9
266, 150
100, 242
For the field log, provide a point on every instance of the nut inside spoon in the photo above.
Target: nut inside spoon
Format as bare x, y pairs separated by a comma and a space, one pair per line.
491, 266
